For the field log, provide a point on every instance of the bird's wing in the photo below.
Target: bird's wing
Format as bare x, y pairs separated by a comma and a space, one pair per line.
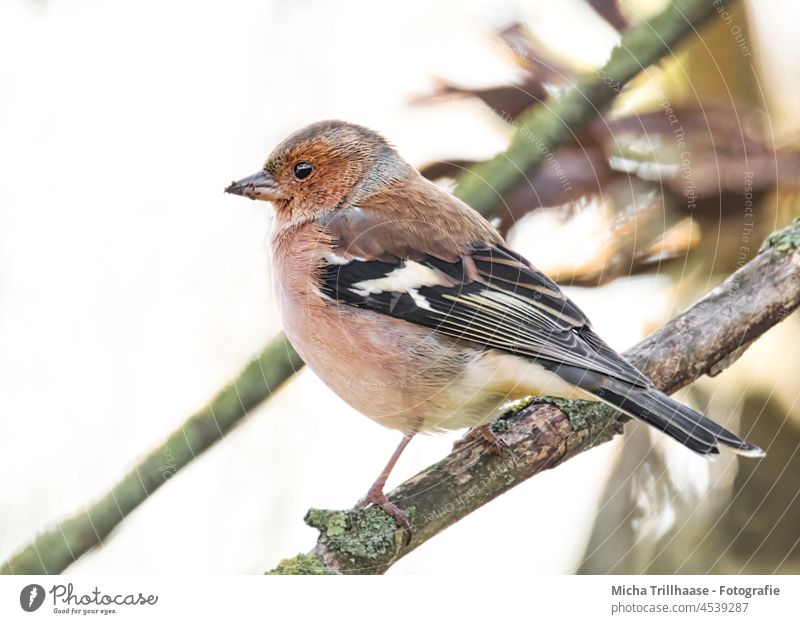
481, 292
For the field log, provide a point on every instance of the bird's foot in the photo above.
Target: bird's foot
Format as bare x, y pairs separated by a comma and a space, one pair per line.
376, 497
379, 499
484, 433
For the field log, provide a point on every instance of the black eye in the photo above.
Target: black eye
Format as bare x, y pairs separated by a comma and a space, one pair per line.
302, 170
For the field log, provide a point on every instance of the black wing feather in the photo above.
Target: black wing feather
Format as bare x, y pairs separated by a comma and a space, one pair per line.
508, 306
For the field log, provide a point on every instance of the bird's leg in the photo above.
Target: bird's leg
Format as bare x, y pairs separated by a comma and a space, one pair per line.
375, 495
485, 433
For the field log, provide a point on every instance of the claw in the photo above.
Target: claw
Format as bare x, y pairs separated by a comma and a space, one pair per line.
484, 433
379, 499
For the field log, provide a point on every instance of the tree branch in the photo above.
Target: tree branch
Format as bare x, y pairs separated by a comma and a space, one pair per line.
52, 551
542, 129
705, 339
550, 126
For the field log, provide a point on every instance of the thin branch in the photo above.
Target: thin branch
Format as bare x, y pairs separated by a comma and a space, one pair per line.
703, 340
551, 126
542, 129
52, 551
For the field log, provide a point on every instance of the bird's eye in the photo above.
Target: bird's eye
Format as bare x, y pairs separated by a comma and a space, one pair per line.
302, 170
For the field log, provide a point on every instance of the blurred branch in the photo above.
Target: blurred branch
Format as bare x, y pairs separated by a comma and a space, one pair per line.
705, 339
542, 129
481, 187
52, 551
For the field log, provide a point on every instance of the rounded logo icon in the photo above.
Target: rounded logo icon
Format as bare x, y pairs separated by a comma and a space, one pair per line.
31, 597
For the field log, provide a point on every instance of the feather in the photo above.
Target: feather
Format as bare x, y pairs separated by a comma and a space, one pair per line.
532, 318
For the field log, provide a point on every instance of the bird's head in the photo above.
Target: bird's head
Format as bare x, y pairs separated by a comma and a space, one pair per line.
327, 165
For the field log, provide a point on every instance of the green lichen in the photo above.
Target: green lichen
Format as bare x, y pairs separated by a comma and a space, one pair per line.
516, 406
300, 565
499, 426
369, 536
787, 239
330, 523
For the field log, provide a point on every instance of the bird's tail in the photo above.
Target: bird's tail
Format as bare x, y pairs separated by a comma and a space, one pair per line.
678, 421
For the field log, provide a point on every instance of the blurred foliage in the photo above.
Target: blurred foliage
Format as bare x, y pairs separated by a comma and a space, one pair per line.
682, 177
684, 160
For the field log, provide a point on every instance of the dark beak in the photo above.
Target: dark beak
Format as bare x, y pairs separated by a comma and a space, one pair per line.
257, 186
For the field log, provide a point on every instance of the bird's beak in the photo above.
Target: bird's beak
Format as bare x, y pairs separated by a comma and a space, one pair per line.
257, 186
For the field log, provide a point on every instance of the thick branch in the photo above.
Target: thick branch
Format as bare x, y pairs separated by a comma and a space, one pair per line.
541, 130
703, 340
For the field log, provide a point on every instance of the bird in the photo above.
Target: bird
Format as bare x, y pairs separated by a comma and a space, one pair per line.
413, 309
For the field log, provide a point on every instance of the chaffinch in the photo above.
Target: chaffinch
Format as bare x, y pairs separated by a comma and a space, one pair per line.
415, 311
